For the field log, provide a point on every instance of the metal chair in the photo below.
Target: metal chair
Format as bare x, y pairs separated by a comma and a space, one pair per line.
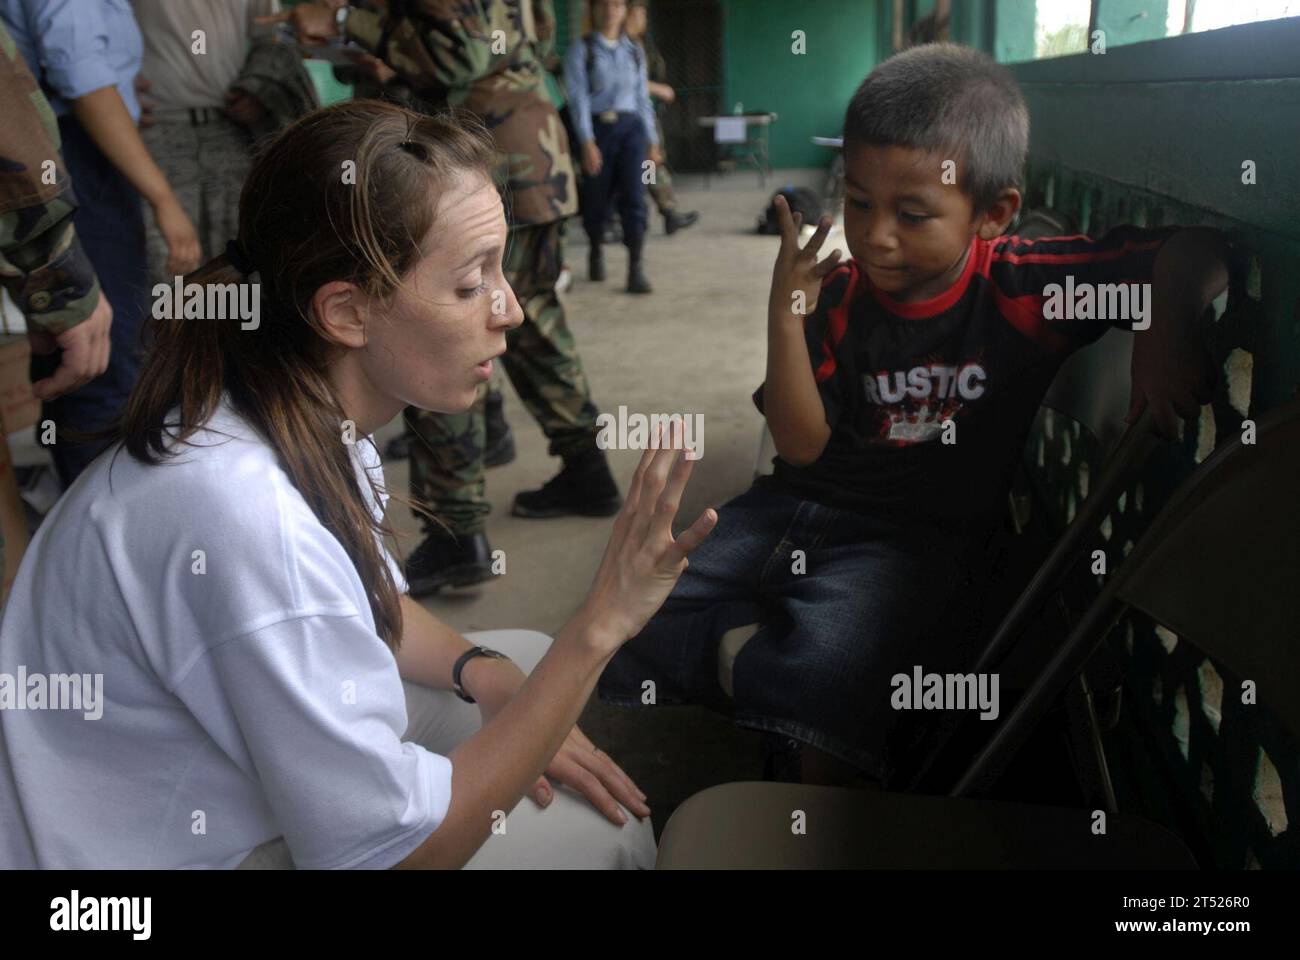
1220, 565
1081, 392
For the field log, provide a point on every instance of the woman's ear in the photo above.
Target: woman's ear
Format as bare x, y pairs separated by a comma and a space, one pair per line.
998, 217
340, 309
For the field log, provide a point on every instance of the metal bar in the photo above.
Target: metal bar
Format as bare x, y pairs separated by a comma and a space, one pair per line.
1038, 699
1096, 745
1131, 451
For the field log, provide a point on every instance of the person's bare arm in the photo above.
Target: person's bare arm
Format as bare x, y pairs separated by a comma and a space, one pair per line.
791, 403
1172, 371
430, 649
108, 123
493, 769
427, 655
662, 92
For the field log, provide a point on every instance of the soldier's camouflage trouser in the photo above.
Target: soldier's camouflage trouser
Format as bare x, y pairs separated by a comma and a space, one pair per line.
205, 157
661, 191
542, 362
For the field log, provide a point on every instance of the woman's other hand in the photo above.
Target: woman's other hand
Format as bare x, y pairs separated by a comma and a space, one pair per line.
577, 764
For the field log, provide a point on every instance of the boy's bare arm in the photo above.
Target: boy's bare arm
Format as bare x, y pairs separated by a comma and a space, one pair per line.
1172, 371
791, 401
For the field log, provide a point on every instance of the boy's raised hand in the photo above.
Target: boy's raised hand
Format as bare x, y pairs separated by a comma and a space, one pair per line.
798, 270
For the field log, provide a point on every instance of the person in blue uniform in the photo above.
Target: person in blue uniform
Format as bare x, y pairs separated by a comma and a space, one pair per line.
609, 100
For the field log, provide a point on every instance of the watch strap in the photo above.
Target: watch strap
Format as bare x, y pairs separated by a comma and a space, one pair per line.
465, 658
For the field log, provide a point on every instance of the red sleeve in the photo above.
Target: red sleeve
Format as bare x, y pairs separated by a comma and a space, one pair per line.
825, 330
1064, 292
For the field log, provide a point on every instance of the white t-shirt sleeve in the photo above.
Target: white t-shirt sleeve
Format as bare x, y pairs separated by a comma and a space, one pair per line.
312, 707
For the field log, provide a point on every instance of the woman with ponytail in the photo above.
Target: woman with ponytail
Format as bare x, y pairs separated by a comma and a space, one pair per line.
229, 668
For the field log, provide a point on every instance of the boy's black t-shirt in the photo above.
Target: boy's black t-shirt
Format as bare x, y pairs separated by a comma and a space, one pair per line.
982, 354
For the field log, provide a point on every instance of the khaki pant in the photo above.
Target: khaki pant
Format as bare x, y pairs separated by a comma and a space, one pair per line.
568, 834
205, 166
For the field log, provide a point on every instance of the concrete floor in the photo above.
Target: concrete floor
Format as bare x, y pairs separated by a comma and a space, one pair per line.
697, 345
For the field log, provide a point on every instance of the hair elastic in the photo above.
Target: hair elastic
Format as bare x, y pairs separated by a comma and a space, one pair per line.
238, 257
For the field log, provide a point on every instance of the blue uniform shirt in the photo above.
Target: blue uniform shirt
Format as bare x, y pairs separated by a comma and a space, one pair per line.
75, 47
617, 82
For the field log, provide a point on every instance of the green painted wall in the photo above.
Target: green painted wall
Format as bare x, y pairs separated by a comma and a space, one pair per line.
1131, 21
1013, 38
810, 91
1004, 28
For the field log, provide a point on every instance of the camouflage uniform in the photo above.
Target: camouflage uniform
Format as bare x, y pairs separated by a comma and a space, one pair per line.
661, 191
41, 263
443, 49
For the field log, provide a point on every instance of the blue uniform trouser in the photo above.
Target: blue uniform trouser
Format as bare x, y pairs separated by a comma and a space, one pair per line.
110, 225
623, 145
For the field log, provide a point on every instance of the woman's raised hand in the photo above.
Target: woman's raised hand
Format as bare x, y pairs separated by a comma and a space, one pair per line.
643, 560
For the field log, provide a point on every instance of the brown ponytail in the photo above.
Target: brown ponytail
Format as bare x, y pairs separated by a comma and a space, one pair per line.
346, 193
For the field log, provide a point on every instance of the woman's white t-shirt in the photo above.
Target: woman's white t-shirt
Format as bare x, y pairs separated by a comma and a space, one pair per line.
245, 692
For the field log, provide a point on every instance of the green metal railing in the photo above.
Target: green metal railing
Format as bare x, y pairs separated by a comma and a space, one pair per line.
1153, 134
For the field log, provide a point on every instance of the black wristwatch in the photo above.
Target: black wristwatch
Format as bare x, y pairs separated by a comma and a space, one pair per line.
465, 658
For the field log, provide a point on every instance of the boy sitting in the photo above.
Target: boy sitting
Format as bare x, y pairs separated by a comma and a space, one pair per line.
900, 389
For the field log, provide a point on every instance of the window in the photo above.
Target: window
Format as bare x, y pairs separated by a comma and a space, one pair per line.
1064, 27
1061, 27
1213, 14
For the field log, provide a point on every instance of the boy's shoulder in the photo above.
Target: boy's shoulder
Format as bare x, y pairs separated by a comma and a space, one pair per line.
841, 286
1026, 251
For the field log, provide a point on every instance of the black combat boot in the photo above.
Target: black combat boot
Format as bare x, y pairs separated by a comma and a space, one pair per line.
636, 280
584, 488
674, 221
444, 561
595, 264
500, 447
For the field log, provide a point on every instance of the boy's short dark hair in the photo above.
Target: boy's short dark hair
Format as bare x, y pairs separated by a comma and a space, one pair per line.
949, 99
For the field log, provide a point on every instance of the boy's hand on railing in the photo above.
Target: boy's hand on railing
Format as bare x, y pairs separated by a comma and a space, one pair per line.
643, 560
798, 270
1172, 373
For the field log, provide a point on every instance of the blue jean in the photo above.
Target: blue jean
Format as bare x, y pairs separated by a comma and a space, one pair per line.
869, 597
623, 147
110, 226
